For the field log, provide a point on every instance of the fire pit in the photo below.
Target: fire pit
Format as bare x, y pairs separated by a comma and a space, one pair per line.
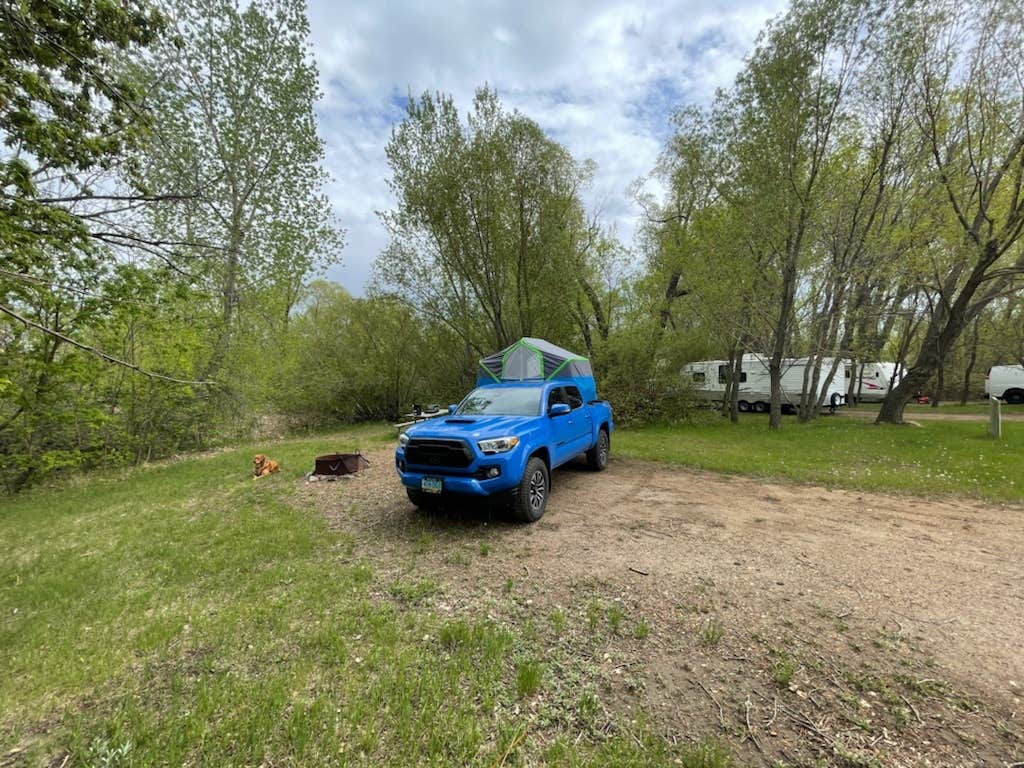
331, 466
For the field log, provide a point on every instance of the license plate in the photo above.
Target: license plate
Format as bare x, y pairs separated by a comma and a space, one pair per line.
430, 484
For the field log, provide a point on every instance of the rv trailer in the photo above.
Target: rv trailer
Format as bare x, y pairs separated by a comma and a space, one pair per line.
874, 380
708, 379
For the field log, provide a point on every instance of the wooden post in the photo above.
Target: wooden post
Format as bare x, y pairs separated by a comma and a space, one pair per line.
995, 421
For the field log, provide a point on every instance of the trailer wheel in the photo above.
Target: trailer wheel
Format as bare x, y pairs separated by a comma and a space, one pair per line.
743, 406
1014, 396
534, 488
597, 457
760, 407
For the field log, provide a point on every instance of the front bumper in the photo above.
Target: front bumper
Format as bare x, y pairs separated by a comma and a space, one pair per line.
471, 481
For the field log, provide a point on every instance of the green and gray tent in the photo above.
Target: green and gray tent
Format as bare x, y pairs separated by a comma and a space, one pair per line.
535, 359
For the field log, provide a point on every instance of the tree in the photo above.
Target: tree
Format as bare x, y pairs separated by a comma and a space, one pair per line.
969, 89
68, 107
234, 92
791, 99
489, 236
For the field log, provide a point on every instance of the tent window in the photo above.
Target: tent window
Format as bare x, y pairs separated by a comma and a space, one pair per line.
699, 377
522, 363
574, 397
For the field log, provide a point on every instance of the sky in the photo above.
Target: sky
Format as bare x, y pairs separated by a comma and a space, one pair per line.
602, 78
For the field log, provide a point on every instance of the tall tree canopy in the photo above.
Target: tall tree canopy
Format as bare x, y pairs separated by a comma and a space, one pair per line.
489, 235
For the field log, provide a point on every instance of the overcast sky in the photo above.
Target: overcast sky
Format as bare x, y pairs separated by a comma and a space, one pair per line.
602, 78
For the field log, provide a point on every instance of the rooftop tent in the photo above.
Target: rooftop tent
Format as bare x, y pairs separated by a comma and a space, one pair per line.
536, 359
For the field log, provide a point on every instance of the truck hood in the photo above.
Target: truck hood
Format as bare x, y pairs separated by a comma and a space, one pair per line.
475, 427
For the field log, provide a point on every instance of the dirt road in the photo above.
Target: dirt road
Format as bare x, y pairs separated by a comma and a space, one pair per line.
903, 617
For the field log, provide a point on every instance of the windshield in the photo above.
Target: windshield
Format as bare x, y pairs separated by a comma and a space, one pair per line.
501, 401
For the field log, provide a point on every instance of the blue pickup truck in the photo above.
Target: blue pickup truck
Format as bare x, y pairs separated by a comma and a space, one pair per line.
535, 408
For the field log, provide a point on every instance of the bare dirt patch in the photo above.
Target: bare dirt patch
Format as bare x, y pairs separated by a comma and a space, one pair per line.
793, 622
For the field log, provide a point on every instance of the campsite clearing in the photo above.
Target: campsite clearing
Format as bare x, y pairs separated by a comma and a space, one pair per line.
655, 614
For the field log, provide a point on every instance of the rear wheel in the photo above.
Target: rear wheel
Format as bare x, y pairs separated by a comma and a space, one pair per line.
532, 499
760, 407
743, 406
1014, 396
597, 457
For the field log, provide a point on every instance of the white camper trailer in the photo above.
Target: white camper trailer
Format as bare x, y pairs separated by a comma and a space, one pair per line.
708, 379
875, 381
1006, 382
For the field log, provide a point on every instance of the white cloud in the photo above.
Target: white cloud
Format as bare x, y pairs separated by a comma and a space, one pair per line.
600, 77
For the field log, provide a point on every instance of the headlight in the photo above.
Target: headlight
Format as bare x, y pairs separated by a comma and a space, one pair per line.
498, 444
403, 440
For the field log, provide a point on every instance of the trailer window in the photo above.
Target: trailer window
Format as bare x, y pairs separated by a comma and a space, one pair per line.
699, 377
723, 375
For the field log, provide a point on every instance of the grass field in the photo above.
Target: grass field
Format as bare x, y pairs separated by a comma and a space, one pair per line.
183, 613
186, 614
939, 457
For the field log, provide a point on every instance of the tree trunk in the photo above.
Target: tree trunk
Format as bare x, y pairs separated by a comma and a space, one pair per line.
943, 330
972, 358
781, 333
940, 385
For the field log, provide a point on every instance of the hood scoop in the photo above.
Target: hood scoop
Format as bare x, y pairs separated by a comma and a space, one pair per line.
460, 421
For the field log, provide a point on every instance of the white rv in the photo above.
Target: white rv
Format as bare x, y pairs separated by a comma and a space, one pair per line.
708, 379
876, 379
1006, 382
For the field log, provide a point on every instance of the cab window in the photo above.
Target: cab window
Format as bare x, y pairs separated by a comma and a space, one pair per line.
555, 396
573, 397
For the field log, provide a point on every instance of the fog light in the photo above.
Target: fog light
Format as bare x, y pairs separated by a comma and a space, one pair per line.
493, 471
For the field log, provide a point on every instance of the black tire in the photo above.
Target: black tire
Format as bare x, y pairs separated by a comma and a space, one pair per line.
534, 489
423, 500
760, 407
1014, 397
743, 406
597, 457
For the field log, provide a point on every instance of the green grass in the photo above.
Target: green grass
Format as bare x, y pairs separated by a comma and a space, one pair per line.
184, 614
939, 457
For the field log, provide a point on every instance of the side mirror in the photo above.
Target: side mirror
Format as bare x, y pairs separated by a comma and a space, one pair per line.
452, 409
559, 409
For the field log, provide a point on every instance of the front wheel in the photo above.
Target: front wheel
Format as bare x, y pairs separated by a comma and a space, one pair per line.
597, 457
532, 499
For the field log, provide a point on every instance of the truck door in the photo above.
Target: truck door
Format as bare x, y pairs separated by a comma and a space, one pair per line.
562, 428
582, 428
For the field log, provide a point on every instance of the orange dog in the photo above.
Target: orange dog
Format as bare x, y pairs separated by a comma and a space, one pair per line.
262, 466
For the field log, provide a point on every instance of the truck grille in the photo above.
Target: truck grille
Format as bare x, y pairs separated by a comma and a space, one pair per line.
438, 453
